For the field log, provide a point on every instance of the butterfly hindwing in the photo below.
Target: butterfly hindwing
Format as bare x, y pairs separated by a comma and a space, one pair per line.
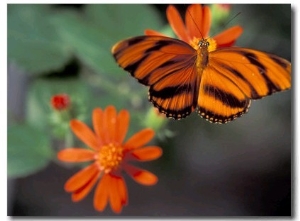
177, 92
166, 65
235, 75
220, 100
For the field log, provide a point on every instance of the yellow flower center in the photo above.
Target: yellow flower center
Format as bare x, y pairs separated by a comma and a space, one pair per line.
110, 157
196, 43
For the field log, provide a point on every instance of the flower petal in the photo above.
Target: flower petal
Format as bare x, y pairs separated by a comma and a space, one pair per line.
147, 153
81, 178
151, 32
122, 189
228, 36
84, 190
122, 126
84, 133
177, 23
75, 155
206, 20
101, 193
110, 119
193, 21
114, 195
141, 176
139, 139
98, 119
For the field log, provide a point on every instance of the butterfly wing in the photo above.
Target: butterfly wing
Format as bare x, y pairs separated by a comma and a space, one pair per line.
167, 66
234, 76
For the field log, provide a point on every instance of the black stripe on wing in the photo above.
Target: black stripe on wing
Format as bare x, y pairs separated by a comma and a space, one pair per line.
226, 98
252, 58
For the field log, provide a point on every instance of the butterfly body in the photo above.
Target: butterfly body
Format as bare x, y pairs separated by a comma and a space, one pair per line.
202, 55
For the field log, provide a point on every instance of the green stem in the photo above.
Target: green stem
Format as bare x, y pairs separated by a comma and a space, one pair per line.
69, 141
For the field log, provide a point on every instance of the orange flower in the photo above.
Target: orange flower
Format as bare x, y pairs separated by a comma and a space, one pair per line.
109, 155
197, 25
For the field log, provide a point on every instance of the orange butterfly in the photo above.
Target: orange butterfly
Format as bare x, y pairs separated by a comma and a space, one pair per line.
201, 73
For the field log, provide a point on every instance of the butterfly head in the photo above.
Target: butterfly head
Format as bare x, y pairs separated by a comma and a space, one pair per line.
208, 44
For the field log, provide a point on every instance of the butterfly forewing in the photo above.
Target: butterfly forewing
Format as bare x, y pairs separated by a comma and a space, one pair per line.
256, 73
167, 66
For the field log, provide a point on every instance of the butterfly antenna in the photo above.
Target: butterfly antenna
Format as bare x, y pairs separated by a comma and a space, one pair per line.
223, 25
195, 23
232, 19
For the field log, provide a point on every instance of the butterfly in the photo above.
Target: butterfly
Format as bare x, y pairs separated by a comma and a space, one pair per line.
219, 84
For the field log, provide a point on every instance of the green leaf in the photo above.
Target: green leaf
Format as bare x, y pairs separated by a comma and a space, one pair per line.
28, 151
123, 21
89, 44
33, 43
92, 34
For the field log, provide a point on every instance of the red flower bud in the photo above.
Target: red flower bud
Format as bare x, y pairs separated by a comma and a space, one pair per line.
60, 101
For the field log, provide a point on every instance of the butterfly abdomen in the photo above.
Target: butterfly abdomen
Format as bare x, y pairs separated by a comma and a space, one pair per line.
202, 55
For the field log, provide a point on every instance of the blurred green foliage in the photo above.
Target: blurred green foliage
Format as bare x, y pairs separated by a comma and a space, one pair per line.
93, 32
33, 42
28, 150
42, 40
